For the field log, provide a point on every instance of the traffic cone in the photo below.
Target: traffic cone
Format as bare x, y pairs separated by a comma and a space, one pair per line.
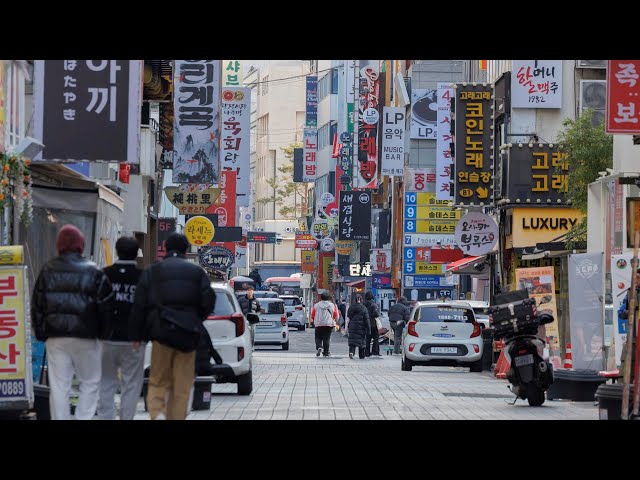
502, 366
568, 359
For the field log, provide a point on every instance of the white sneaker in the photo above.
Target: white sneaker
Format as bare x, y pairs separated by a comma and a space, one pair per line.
351, 356
319, 352
160, 416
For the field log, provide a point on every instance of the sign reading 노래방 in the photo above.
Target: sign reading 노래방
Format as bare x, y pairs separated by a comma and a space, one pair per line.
539, 225
368, 123
537, 173
216, 257
196, 130
355, 216
473, 144
310, 147
540, 284
312, 102
476, 233
192, 199
235, 138
444, 138
424, 113
87, 110
393, 137
536, 84
623, 97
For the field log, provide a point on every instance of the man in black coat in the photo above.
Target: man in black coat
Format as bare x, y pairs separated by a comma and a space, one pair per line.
249, 303
69, 310
358, 327
373, 336
173, 297
255, 276
398, 317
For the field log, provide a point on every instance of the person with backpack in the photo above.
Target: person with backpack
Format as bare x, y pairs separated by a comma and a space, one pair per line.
324, 315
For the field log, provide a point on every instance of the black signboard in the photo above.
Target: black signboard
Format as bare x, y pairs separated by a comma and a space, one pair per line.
261, 237
215, 257
473, 144
88, 110
211, 216
538, 173
166, 226
355, 216
227, 234
298, 165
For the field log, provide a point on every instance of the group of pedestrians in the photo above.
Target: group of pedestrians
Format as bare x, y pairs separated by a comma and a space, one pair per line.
363, 324
95, 325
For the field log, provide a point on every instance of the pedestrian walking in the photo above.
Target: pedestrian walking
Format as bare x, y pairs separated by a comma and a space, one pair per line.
398, 317
255, 276
324, 315
358, 327
372, 341
70, 309
249, 303
122, 362
172, 299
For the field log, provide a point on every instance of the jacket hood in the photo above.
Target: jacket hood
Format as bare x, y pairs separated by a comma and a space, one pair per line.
325, 304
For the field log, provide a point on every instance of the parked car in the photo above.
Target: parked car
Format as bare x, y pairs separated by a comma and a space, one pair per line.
481, 310
293, 305
442, 333
232, 336
272, 329
259, 294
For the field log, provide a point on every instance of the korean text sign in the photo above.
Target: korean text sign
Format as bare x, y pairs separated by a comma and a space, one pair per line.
14, 368
444, 139
368, 124
235, 136
196, 130
476, 233
355, 216
192, 198
232, 74
536, 84
623, 96
473, 144
166, 226
225, 205
310, 150
312, 102
88, 110
393, 136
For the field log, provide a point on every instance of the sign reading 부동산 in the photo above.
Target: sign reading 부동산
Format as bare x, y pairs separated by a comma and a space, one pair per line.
196, 129
473, 144
87, 110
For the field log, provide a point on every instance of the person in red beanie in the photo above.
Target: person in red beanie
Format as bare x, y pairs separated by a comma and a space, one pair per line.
71, 303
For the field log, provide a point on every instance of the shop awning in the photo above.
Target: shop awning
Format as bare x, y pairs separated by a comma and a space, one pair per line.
459, 266
356, 283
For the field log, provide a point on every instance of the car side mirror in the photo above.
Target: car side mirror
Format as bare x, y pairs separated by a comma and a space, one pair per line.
289, 314
252, 318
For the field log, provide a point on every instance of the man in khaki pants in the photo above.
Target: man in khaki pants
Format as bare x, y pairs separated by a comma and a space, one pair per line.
172, 298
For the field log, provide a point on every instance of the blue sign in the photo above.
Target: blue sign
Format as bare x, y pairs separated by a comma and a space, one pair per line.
345, 137
381, 280
410, 212
312, 102
410, 198
410, 226
423, 281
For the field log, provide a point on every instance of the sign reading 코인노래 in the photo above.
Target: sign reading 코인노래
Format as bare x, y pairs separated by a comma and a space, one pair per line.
476, 233
536, 84
199, 230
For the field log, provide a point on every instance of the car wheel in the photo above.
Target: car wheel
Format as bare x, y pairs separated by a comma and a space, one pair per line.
476, 366
406, 365
245, 384
285, 346
302, 328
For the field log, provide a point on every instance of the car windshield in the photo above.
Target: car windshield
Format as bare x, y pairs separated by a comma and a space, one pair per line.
290, 302
224, 304
444, 313
273, 307
484, 311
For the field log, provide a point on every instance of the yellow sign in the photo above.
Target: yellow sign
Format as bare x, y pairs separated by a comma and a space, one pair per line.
192, 199
13, 351
429, 268
344, 247
538, 225
424, 198
199, 230
308, 261
435, 212
11, 255
431, 226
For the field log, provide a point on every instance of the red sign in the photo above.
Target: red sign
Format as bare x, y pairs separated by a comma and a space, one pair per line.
125, 172
623, 96
225, 205
446, 255
305, 240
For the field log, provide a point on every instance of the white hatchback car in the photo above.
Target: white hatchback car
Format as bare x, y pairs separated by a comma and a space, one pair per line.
442, 333
272, 329
232, 336
293, 305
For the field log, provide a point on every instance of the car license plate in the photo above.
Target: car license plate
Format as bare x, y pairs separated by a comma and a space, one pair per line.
524, 360
265, 324
444, 350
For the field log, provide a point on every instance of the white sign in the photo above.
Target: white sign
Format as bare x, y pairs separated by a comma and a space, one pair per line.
235, 139
380, 260
310, 148
444, 159
393, 135
536, 84
476, 234
327, 244
621, 269
385, 298
320, 229
420, 180
326, 198
424, 114
427, 240
370, 116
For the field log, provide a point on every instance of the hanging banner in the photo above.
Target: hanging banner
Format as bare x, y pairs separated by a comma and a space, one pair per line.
476, 234
621, 271
473, 144
368, 124
623, 105
424, 113
232, 75
586, 292
225, 205
393, 137
87, 110
311, 116
235, 138
540, 284
196, 132
310, 146
355, 216
216, 257
166, 226
192, 198
380, 260
536, 84
444, 138
240, 253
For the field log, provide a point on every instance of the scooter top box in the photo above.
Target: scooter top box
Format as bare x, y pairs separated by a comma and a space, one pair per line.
513, 313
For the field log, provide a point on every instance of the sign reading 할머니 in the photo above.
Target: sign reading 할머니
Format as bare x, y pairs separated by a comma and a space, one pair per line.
536, 84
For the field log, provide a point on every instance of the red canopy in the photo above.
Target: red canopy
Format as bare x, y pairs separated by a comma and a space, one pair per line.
458, 265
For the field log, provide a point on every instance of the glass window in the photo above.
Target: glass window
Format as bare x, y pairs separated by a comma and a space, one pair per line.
272, 307
444, 313
224, 304
334, 81
291, 302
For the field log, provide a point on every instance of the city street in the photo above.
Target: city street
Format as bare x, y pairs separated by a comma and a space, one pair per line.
297, 385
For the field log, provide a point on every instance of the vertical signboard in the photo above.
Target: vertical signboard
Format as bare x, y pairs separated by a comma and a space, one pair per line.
473, 144
232, 75
540, 284
235, 138
298, 167
536, 84
88, 110
196, 130
623, 97
424, 113
312, 102
355, 216
368, 124
310, 147
586, 310
380, 260
2, 104
166, 226
621, 271
225, 205
444, 139
308, 261
393, 136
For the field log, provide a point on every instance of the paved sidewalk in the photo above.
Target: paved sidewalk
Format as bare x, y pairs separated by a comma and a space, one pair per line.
301, 386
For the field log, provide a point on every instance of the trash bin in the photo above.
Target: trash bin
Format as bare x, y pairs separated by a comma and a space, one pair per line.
609, 396
487, 349
202, 393
576, 385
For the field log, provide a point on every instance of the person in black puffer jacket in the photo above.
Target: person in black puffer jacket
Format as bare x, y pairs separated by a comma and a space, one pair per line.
249, 303
173, 289
398, 317
69, 310
373, 336
358, 327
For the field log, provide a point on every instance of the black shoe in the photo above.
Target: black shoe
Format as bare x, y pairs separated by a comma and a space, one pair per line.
319, 352
327, 354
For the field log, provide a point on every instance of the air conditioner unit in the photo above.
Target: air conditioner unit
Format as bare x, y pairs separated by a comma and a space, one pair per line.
593, 94
591, 64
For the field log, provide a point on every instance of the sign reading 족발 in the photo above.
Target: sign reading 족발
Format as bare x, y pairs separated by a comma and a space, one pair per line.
623, 97
473, 144
476, 233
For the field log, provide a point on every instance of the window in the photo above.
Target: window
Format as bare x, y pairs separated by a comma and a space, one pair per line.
323, 136
444, 313
265, 84
334, 81
273, 306
324, 86
224, 304
14, 104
